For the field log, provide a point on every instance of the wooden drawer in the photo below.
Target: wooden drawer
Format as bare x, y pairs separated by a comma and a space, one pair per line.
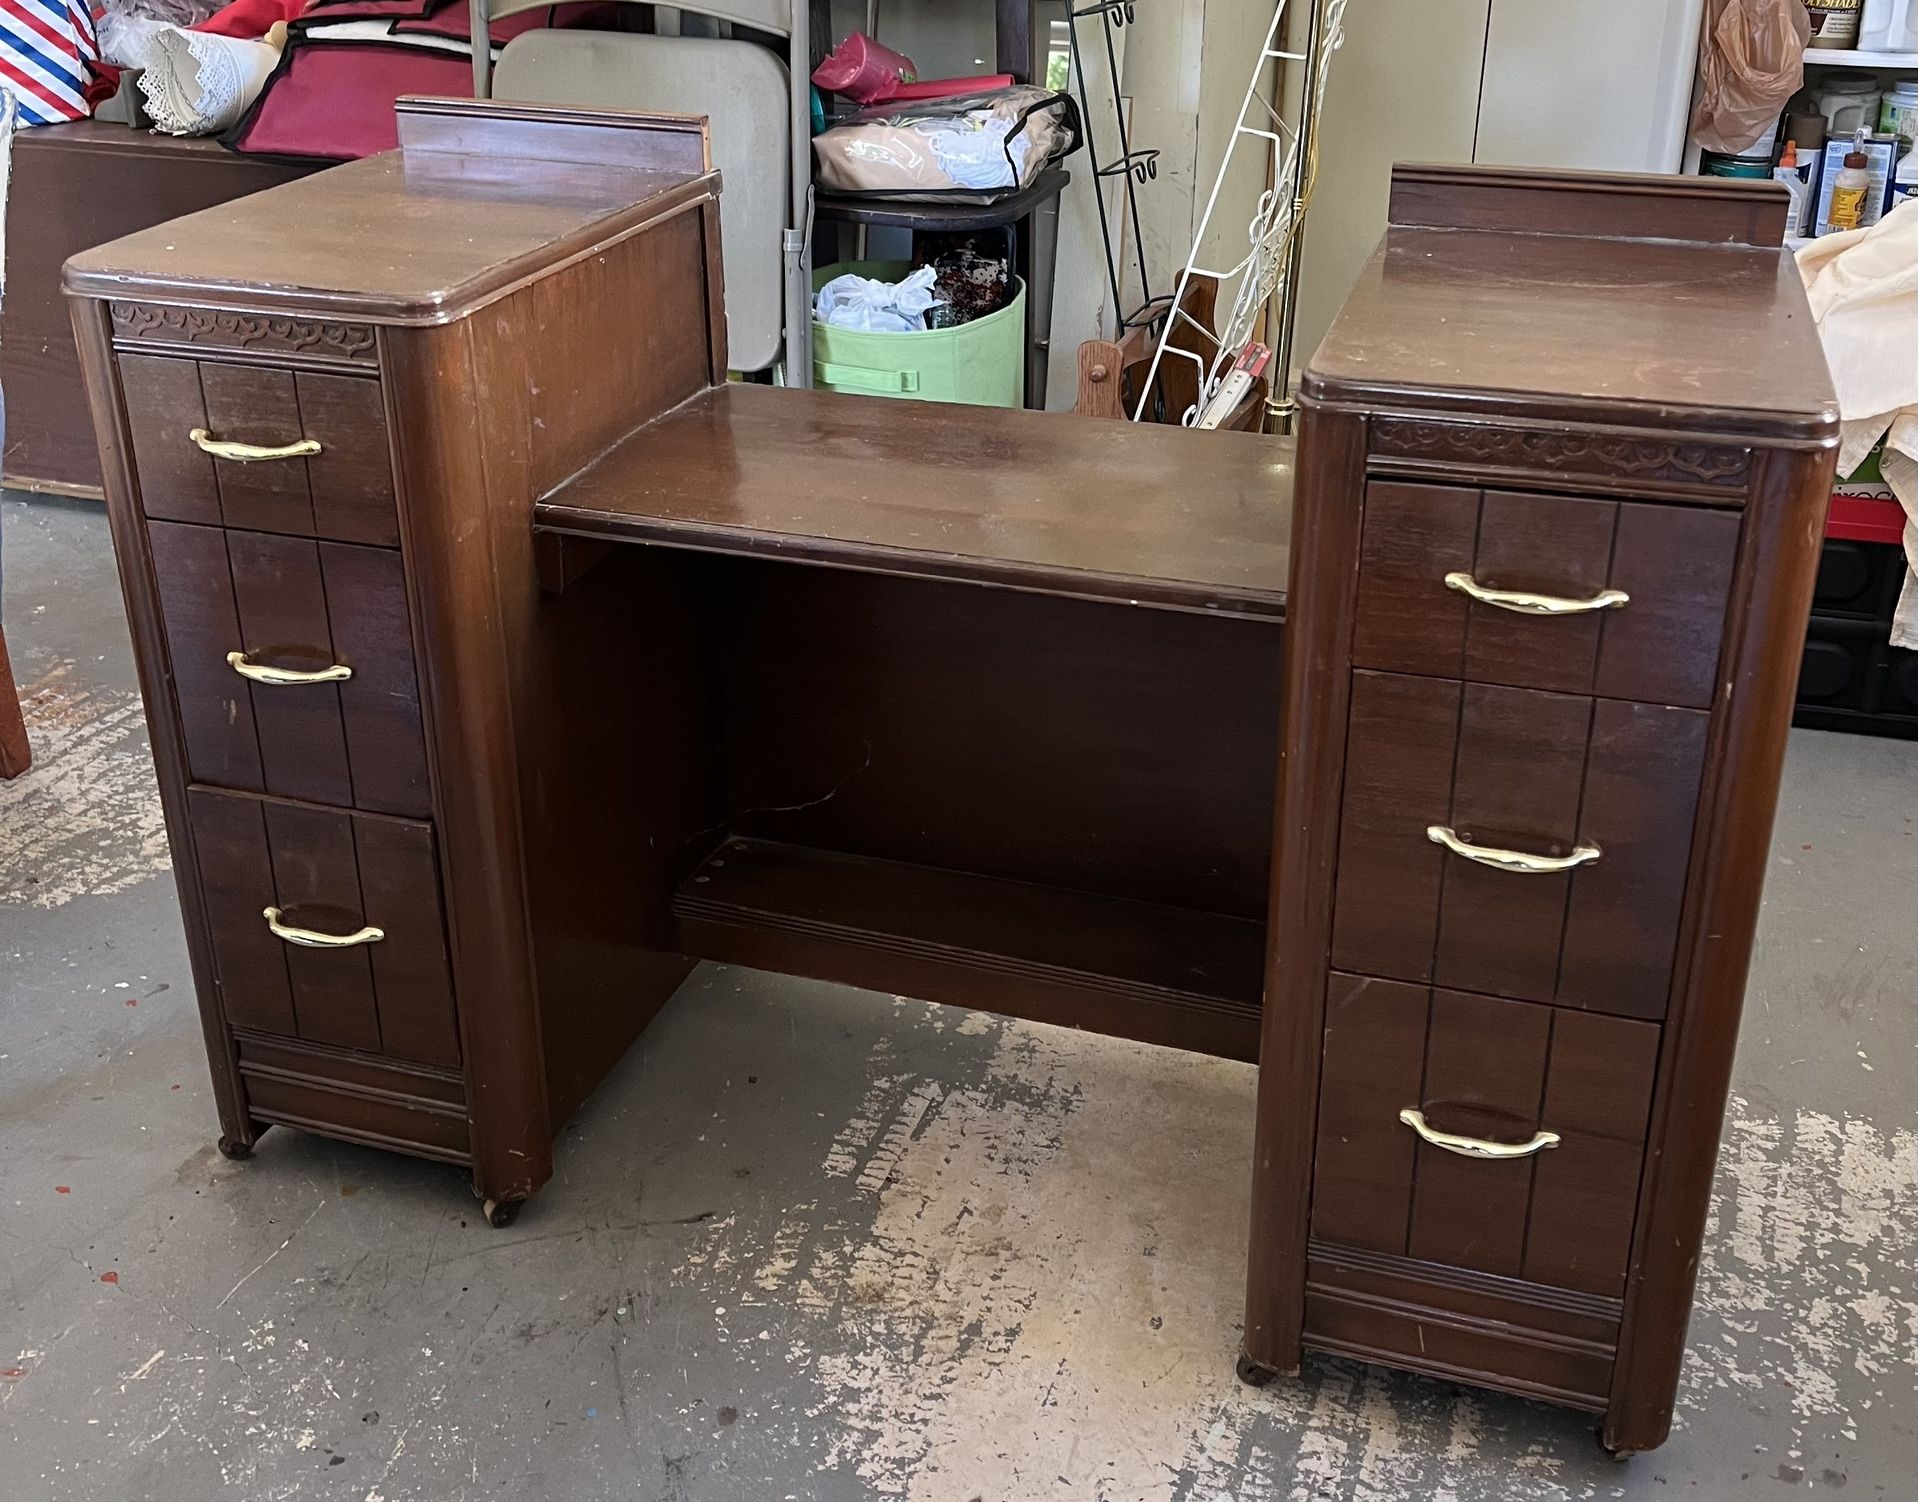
414, 1108
336, 874
1500, 1071
1515, 769
292, 603
1463, 1326
344, 491
1662, 645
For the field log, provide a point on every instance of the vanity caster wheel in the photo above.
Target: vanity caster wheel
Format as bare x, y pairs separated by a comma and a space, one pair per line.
235, 1150
501, 1213
1252, 1374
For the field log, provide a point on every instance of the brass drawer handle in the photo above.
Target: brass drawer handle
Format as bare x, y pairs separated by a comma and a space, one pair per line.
1526, 603
259, 673
251, 453
307, 938
1475, 1147
1510, 860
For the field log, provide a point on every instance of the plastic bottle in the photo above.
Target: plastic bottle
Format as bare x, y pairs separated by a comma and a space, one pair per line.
1889, 26
1904, 182
1849, 189
1898, 113
1792, 175
1849, 101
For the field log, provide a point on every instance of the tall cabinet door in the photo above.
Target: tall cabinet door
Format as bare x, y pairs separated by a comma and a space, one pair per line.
1607, 87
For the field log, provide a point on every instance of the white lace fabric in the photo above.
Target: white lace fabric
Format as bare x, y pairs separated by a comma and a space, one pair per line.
196, 83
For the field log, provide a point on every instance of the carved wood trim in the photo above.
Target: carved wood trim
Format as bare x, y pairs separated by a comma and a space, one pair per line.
1557, 456
305, 340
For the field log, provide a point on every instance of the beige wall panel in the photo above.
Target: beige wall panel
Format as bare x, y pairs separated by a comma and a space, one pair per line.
1601, 86
1234, 33
1404, 87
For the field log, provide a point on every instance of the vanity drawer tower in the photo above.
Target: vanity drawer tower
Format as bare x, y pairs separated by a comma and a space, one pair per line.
1562, 478
325, 412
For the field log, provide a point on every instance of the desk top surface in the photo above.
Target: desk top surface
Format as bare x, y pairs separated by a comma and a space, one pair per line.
1661, 303
479, 197
1118, 511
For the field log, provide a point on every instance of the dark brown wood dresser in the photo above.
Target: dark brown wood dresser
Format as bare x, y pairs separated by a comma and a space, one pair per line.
74, 186
1562, 480
503, 660
324, 413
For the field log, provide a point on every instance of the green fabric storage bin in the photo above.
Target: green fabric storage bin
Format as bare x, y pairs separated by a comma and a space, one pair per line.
982, 363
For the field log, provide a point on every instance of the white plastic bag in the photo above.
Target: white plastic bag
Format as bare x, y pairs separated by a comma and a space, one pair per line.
978, 155
874, 307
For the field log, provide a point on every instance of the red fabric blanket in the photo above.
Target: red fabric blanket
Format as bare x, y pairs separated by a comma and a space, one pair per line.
331, 97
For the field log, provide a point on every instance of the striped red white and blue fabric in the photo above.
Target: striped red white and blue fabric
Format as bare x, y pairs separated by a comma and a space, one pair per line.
45, 46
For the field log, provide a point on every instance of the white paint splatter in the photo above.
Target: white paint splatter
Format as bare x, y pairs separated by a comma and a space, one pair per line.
1048, 1295
84, 820
1809, 1258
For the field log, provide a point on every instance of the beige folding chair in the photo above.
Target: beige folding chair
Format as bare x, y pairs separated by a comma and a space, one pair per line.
759, 116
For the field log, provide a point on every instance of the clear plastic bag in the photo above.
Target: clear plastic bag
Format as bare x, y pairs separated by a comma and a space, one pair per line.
1753, 61
874, 307
127, 27
973, 147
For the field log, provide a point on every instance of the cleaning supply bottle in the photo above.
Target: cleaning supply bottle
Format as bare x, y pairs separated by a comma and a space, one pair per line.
1850, 188
1904, 182
1792, 175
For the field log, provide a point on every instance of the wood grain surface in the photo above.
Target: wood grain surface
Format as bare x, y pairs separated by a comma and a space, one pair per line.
1101, 510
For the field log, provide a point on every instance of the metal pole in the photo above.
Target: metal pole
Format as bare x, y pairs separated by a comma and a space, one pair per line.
1280, 408
796, 240
480, 36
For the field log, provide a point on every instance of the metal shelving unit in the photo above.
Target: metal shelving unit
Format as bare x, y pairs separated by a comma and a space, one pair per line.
1845, 57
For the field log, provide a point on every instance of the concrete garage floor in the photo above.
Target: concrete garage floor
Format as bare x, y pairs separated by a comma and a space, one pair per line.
815, 1243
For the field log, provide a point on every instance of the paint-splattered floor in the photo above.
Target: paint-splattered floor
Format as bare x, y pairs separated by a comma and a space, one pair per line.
814, 1243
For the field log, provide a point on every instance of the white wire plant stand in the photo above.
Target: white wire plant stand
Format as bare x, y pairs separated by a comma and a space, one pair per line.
1268, 270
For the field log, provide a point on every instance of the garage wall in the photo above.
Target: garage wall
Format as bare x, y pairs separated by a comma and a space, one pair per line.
1540, 83
1404, 87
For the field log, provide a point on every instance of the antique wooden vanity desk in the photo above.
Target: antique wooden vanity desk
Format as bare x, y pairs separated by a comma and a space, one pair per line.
502, 660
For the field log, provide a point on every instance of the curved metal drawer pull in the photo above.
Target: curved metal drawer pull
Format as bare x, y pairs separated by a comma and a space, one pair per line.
307, 938
1475, 1147
1510, 860
251, 453
338, 673
1526, 603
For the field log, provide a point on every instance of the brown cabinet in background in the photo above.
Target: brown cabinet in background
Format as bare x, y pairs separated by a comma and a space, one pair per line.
75, 186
